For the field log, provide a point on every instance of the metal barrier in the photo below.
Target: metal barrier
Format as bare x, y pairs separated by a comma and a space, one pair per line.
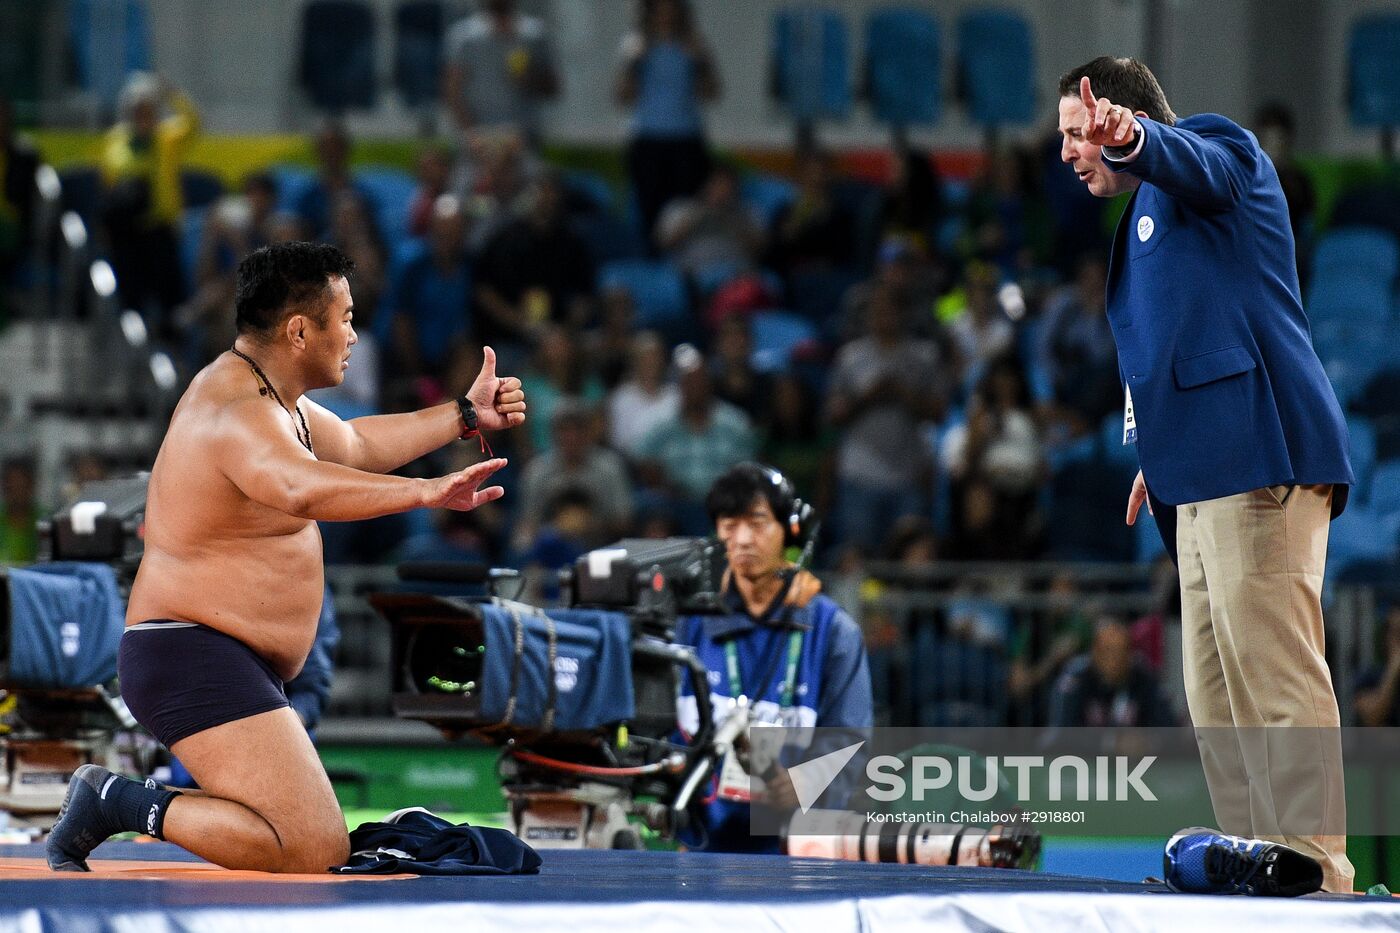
918, 602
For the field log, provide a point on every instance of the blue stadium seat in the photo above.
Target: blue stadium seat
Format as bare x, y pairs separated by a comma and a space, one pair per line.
418, 29
199, 188
996, 67
292, 182
1362, 534
1373, 71
1361, 435
337, 54
593, 190
776, 335
608, 237
808, 62
1385, 487
191, 236
767, 194
904, 66
390, 191
110, 39
713, 276
1339, 297
657, 289
1367, 252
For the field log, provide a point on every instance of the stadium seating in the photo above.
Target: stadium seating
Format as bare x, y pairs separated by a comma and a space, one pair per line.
1361, 435
904, 66
776, 336
657, 289
996, 67
390, 192
418, 30
809, 73
767, 194
109, 39
200, 188
337, 54
1373, 80
1368, 252
1385, 487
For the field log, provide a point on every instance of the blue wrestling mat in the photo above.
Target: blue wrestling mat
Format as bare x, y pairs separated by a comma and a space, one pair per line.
156, 886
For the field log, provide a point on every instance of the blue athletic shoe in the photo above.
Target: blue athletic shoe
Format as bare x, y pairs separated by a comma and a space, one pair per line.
1204, 861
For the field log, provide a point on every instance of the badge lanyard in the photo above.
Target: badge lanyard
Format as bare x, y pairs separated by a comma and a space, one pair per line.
794, 652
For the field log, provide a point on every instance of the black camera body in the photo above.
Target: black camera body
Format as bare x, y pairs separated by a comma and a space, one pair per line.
580, 699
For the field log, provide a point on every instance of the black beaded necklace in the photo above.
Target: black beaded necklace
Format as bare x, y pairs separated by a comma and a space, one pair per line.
267, 387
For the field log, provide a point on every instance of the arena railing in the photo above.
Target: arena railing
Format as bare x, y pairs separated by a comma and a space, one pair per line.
913, 601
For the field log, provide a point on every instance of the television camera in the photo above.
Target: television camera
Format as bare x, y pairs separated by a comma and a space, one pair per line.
61, 620
582, 700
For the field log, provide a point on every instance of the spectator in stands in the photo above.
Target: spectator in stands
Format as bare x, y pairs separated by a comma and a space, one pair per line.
912, 207
556, 372
569, 531
316, 205
736, 381
534, 272
353, 230
684, 454
713, 228
235, 226
913, 280
142, 203
795, 438
19, 529
455, 536
1043, 643
576, 460
493, 182
1378, 688
884, 385
499, 66
1076, 349
609, 345
1008, 225
434, 179
997, 449
816, 230
18, 162
667, 73
998, 442
1109, 686
979, 328
428, 308
645, 399
1273, 125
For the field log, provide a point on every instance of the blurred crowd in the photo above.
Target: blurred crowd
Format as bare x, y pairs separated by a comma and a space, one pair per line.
924, 353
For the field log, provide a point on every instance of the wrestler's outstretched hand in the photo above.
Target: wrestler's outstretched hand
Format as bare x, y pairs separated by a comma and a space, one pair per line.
499, 401
459, 490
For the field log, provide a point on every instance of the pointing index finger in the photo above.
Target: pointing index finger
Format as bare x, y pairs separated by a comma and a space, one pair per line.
1086, 93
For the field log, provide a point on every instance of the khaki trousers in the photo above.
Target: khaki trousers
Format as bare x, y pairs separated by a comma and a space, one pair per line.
1257, 683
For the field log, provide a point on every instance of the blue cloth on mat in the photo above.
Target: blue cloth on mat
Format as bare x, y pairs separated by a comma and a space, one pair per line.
417, 842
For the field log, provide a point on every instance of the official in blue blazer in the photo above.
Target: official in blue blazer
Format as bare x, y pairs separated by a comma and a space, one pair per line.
1241, 442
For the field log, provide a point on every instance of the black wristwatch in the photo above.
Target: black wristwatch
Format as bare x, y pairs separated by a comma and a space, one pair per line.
468, 412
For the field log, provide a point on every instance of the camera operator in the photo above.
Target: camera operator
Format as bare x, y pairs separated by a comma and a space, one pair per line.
794, 654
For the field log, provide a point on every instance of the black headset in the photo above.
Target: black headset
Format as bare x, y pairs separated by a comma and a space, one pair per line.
799, 519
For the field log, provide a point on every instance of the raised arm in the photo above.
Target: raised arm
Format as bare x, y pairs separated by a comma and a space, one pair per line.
1210, 166
381, 443
256, 449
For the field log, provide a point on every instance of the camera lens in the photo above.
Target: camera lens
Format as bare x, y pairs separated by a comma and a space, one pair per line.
445, 659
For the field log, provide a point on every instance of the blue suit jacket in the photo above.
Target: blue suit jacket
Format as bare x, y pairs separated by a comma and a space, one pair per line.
1203, 299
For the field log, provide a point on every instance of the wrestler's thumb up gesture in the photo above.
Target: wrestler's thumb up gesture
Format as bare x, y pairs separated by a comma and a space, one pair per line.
1105, 123
460, 491
499, 401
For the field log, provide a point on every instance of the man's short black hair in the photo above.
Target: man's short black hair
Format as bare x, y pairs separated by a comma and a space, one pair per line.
1125, 81
733, 494
274, 280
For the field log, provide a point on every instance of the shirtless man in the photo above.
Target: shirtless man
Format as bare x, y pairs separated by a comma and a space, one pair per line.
225, 603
